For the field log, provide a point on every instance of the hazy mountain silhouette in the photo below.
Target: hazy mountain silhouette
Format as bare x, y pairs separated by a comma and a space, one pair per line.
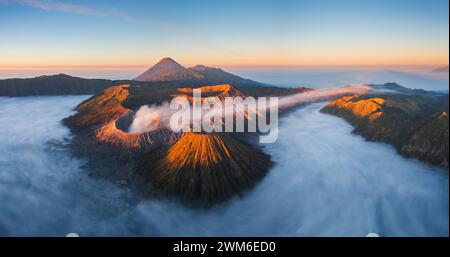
441, 69
169, 70
60, 84
415, 122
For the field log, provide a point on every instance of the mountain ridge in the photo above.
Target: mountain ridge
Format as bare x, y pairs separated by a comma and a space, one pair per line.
168, 69
444, 69
415, 124
200, 169
58, 84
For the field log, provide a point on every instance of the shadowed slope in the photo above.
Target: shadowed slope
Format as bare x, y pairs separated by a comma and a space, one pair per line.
430, 141
206, 168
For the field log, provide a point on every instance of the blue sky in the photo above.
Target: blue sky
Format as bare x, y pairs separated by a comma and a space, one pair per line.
118, 33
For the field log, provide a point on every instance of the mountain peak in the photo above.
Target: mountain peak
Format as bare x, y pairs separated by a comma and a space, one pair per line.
168, 69
167, 60
170, 64
191, 167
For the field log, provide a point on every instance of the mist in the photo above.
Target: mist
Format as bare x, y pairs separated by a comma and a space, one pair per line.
326, 181
44, 191
421, 77
149, 118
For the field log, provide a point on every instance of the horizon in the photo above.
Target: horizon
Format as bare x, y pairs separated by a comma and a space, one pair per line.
281, 76
264, 34
128, 73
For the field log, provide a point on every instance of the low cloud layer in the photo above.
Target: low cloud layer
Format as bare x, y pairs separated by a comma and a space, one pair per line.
326, 181
149, 118
58, 6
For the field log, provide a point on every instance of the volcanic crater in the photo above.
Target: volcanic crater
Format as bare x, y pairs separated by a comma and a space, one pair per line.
199, 169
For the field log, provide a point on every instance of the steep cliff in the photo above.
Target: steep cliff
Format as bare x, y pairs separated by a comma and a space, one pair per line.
205, 168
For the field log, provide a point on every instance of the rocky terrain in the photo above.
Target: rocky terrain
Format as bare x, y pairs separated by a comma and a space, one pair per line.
203, 168
169, 70
197, 168
165, 74
415, 123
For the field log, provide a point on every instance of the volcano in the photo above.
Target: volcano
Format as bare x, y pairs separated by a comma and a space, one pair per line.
205, 168
441, 69
169, 70
197, 168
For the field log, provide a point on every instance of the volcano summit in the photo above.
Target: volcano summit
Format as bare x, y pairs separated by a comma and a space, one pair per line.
169, 70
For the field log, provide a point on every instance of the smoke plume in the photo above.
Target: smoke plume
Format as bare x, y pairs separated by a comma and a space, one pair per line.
149, 118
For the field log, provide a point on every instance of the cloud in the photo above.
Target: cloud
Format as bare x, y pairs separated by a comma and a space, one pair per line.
59, 6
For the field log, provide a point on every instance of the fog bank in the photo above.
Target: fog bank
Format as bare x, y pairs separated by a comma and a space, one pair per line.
326, 181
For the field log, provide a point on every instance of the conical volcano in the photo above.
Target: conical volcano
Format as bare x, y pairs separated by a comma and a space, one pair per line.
168, 70
206, 168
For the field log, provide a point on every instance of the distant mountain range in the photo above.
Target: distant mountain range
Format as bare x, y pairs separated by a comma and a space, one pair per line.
169, 70
166, 72
441, 69
415, 122
60, 84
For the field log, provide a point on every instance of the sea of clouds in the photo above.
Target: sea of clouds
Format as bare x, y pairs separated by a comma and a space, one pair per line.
334, 77
326, 181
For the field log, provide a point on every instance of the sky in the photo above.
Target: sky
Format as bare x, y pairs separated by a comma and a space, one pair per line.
106, 33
